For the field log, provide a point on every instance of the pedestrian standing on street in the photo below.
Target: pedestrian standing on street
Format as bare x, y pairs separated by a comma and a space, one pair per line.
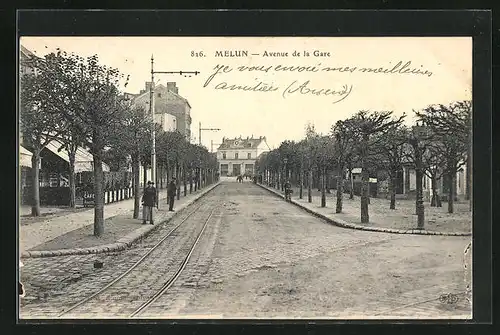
172, 189
149, 201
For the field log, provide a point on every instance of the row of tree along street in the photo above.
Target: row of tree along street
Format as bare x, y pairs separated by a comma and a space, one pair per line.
438, 145
77, 102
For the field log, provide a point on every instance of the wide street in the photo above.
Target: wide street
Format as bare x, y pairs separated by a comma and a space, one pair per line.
257, 256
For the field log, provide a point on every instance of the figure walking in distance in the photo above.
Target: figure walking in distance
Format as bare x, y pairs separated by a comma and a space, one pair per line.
172, 188
149, 200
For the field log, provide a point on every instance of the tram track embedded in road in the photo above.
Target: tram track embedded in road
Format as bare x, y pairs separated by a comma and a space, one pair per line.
141, 260
177, 273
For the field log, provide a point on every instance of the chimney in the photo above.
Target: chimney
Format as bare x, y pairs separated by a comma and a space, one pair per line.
148, 86
172, 86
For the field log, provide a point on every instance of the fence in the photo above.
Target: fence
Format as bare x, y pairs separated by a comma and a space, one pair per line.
110, 196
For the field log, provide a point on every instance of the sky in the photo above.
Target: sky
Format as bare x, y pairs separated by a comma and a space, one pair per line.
295, 80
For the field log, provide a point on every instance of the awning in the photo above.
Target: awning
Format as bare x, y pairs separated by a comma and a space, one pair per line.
83, 158
24, 156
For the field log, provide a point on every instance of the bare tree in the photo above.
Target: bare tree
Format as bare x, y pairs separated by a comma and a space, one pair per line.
434, 164
344, 137
418, 144
452, 125
389, 150
366, 125
134, 137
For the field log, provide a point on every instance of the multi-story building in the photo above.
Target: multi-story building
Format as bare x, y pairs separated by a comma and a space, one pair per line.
172, 111
237, 156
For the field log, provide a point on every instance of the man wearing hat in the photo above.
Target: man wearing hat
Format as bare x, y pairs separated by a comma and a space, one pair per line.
172, 188
148, 202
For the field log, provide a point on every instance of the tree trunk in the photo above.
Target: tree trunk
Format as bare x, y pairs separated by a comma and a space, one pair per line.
177, 180
35, 187
195, 179
144, 176
301, 181
137, 177
190, 180
393, 190
309, 186
419, 198
184, 177
98, 196
323, 188
451, 192
340, 192
351, 179
199, 179
365, 178
327, 182
160, 167
72, 181
319, 180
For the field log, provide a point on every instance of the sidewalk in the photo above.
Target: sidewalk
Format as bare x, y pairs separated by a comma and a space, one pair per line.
400, 220
73, 233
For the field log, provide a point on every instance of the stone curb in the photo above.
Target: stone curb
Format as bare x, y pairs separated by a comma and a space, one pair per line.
122, 243
344, 224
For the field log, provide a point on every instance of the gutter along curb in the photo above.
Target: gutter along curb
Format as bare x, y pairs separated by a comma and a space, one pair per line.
345, 224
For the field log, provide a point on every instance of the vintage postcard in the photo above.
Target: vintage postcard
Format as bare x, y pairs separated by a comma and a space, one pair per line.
245, 177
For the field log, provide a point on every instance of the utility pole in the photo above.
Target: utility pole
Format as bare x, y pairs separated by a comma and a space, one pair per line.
153, 142
200, 129
152, 111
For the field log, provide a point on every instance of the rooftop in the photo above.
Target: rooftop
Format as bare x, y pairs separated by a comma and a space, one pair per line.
241, 143
146, 92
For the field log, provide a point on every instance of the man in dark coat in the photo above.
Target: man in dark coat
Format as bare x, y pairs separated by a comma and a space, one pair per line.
148, 202
172, 189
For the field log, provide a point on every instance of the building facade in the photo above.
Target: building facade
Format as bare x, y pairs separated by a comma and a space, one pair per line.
167, 121
172, 111
236, 156
406, 184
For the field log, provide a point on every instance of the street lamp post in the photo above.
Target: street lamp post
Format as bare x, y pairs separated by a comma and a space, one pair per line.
152, 111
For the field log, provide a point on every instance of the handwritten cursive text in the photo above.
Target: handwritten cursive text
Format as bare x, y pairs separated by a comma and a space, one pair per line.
305, 89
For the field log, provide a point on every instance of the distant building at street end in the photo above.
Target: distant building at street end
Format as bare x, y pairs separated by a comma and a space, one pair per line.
236, 156
172, 111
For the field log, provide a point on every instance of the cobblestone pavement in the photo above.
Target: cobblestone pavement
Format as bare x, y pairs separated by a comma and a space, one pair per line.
263, 257
56, 283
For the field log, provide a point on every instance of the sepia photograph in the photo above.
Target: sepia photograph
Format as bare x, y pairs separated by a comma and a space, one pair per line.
176, 177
